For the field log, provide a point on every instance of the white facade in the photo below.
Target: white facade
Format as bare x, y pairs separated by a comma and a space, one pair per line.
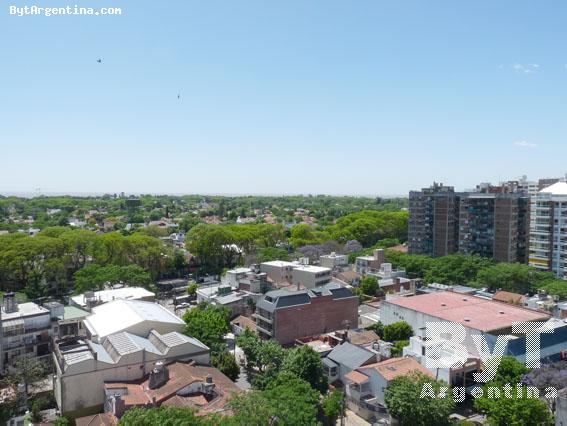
310, 276
83, 367
278, 271
90, 299
136, 317
27, 329
333, 260
548, 230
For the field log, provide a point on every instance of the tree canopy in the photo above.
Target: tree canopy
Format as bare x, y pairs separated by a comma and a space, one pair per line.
404, 401
208, 323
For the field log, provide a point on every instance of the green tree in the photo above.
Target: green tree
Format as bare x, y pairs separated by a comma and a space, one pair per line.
163, 416
192, 289
287, 400
378, 328
93, 277
456, 269
398, 348
513, 277
510, 370
29, 370
268, 254
62, 421
406, 404
306, 364
211, 244
369, 285
226, 363
511, 410
333, 404
400, 330
208, 323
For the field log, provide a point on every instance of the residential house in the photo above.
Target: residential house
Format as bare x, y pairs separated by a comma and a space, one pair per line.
344, 358
366, 386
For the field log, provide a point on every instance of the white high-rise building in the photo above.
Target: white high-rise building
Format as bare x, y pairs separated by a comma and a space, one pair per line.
548, 230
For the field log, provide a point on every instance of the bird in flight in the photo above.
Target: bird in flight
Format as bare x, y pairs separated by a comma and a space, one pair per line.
179, 96
99, 61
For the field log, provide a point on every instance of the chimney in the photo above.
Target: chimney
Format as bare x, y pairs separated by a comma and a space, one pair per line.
379, 257
208, 385
158, 376
10, 303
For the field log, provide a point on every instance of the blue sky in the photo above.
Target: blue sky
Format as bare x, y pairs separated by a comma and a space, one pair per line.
294, 96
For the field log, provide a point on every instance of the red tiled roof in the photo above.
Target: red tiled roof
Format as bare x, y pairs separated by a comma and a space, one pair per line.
474, 312
181, 375
356, 377
395, 367
508, 297
103, 419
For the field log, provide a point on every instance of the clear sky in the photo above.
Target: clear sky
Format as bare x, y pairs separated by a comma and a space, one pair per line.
282, 96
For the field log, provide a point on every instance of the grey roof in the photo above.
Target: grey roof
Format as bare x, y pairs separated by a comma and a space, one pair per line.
342, 293
463, 289
170, 340
229, 298
120, 344
102, 355
282, 299
285, 298
350, 355
143, 343
329, 363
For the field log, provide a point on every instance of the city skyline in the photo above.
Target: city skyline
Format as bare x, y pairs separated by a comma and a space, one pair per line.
286, 98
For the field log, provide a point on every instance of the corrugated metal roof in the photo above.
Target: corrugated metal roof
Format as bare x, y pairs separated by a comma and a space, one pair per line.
350, 355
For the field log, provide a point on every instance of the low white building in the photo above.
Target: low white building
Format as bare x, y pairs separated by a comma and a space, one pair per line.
333, 260
279, 271
90, 299
310, 276
446, 358
124, 341
135, 316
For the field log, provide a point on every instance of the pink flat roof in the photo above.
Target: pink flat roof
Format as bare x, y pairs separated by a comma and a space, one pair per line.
474, 312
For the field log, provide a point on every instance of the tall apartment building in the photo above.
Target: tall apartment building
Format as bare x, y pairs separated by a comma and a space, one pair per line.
492, 221
548, 230
433, 221
494, 225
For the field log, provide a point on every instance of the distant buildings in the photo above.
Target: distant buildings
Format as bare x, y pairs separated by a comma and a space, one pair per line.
333, 260
298, 274
363, 265
278, 271
309, 276
288, 315
433, 221
90, 299
492, 221
548, 230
